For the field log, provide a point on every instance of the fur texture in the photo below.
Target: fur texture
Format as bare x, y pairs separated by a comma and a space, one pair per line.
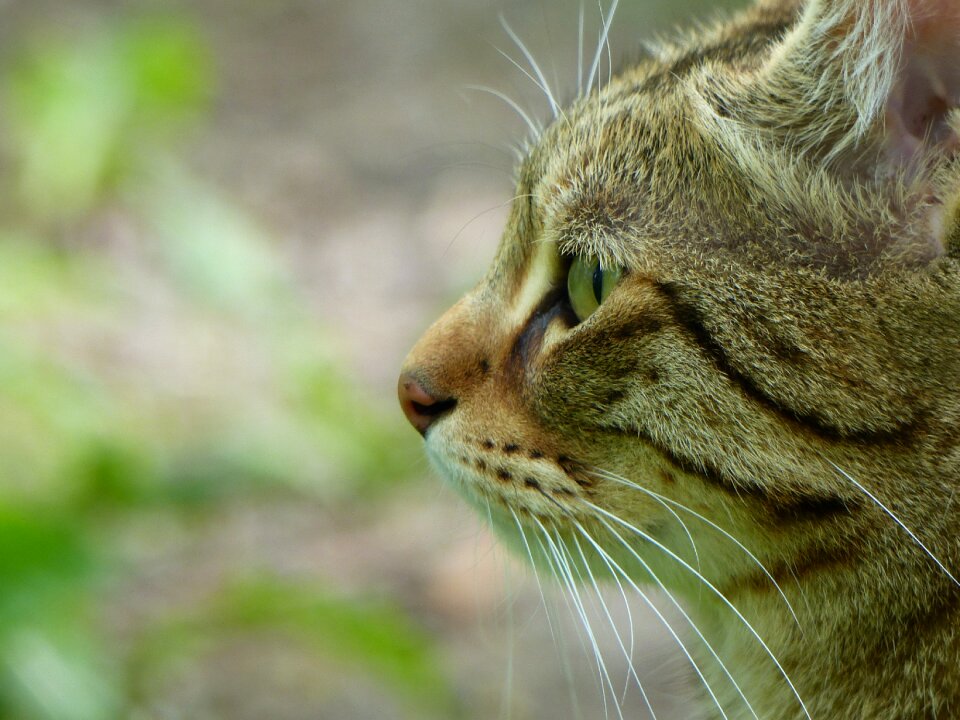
780, 357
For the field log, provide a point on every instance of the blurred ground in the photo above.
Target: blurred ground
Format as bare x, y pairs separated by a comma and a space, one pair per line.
224, 223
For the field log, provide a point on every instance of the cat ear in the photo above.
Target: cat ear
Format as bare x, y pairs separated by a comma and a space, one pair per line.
850, 68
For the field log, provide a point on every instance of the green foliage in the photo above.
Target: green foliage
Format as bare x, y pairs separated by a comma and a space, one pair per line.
82, 112
369, 635
98, 436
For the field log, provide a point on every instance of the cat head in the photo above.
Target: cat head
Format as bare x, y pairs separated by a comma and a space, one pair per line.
728, 281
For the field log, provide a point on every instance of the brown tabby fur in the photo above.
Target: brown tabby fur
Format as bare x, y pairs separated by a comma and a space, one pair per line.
789, 321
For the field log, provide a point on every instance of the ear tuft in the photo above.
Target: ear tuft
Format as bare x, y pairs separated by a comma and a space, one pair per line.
852, 67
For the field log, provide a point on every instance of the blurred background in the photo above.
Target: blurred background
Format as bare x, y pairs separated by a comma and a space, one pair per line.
222, 225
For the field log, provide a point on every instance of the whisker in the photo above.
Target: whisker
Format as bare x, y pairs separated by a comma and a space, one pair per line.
506, 706
607, 475
535, 129
666, 623
566, 595
536, 574
473, 164
577, 613
690, 622
713, 588
567, 575
609, 62
580, 54
897, 520
544, 85
550, 45
627, 655
558, 112
663, 499
626, 607
603, 39
480, 215
609, 52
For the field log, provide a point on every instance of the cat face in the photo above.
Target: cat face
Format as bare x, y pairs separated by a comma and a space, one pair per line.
711, 293
728, 292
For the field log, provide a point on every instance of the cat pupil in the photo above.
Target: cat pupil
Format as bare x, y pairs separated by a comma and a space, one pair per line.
598, 283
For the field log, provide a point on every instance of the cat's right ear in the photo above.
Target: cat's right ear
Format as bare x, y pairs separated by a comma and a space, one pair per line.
856, 70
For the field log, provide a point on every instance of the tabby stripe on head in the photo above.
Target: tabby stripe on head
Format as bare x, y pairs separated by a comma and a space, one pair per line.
687, 316
780, 508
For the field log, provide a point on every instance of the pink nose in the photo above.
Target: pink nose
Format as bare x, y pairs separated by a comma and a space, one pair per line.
421, 408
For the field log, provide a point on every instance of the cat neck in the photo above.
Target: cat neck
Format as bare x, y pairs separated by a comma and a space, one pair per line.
843, 658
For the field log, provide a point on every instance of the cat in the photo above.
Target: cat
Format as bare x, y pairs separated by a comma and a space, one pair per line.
718, 353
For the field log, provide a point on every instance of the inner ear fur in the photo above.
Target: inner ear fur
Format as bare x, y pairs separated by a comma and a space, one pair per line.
851, 68
870, 88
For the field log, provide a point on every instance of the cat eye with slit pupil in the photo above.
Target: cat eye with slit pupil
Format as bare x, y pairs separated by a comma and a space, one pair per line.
589, 284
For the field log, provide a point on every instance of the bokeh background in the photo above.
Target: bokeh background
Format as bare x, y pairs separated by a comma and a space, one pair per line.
222, 224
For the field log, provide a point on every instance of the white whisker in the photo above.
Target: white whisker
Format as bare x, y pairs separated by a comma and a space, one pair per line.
898, 521
627, 655
544, 85
577, 612
535, 129
566, 595
663, 499
690, 622
566, 575
536, 574
609, 52
603, 39
480, 215
580, 54
555, 634
506, 705
607, 475
713, 588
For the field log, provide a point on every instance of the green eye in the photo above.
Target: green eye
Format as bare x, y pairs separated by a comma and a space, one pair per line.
588, 285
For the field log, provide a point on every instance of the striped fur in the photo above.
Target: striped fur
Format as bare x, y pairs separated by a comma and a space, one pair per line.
781, 358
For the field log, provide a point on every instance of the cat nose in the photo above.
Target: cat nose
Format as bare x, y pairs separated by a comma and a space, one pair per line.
421, 408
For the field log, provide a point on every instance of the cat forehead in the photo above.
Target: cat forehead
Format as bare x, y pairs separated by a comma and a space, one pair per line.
624, 164
631, 159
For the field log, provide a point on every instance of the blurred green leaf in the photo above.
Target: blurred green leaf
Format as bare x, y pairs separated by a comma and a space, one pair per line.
58, 674
82, 110
371, 635
97, 432
41, 555
214, 251
49, 663
169, 66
